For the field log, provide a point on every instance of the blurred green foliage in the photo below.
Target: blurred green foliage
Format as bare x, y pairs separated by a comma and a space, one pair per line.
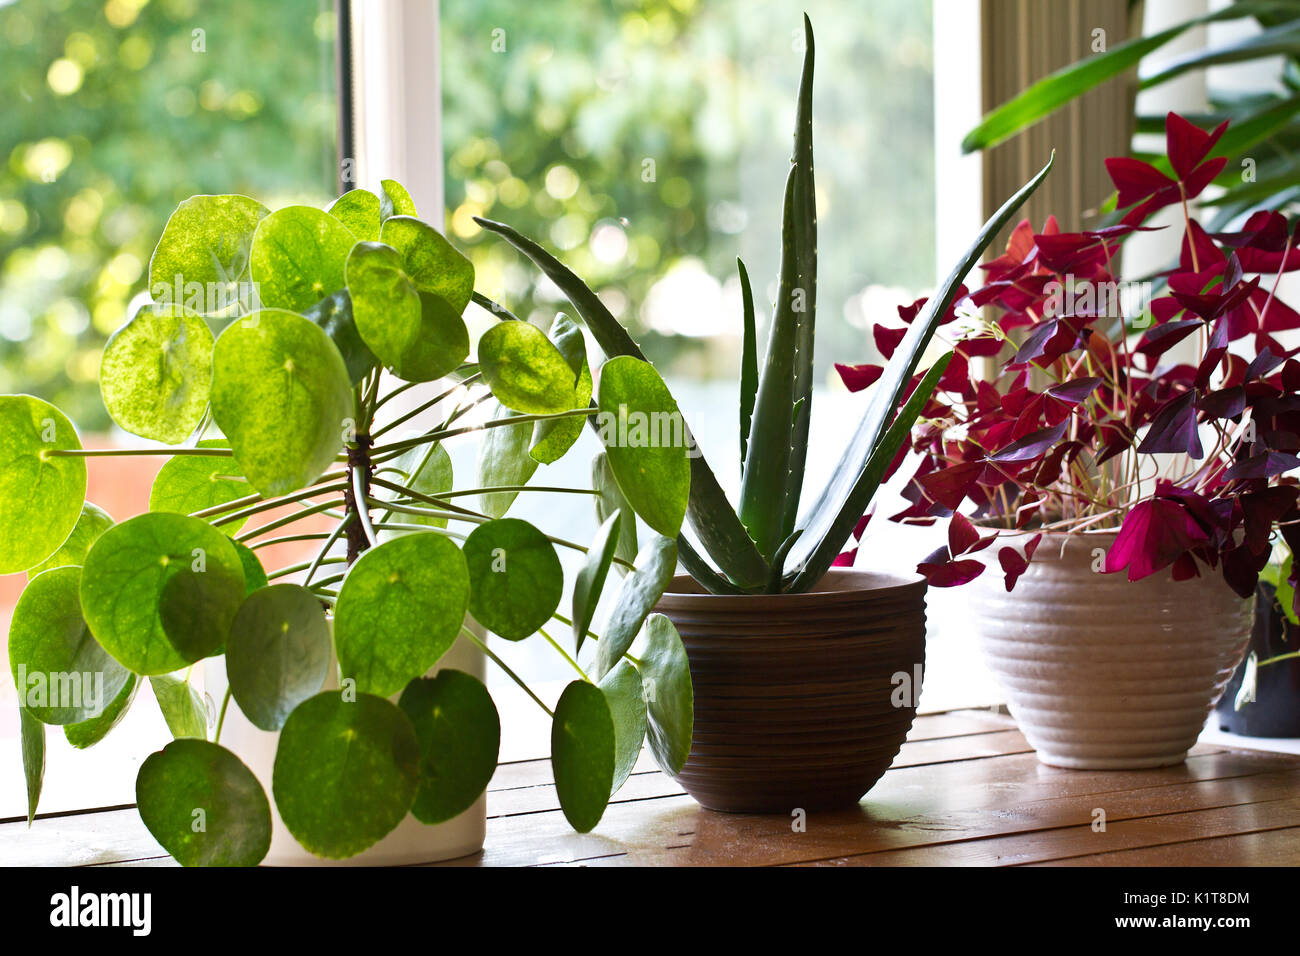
554, 113
117, 110
645, 142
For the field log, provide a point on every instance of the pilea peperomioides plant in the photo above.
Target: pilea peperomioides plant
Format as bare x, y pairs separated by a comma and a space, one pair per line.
271, 351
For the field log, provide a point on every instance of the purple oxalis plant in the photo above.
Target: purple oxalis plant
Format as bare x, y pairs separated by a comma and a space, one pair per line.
1088, 421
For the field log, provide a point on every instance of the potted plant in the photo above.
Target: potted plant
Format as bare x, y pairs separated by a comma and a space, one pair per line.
1261, 114
1263, 697
805, 675
1094, 451
351, 720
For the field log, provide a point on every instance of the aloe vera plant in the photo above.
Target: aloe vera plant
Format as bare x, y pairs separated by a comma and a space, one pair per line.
269, 363
765, 544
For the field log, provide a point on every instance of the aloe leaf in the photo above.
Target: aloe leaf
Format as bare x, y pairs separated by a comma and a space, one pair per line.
699, 568
805, 255
822, 525
711, 514
1050, 93
868, 480
748, 363
774, 456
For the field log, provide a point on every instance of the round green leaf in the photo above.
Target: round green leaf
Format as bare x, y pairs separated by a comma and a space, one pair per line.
203, 805
254, 573
399, 610
297, 257
346, 772
278, 653
334, 314
432, 262
670, 697
637, 596
281, 394
394, 200
503, 460
182, 708
591, 579
126, 591
413, 332
626, 699
459, 732
188, 483
645, 440
31, 733
93, 522
203, 252
156, 373
525, 370
358, 209
553, 437
428, 471
609, 501
515, 577
40, 495
86, 733
583, 754
62, 674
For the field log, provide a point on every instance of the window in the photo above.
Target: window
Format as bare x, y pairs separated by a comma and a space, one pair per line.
119, 109
646, 143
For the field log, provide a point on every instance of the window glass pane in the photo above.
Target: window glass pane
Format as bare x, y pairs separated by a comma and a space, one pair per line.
115, 111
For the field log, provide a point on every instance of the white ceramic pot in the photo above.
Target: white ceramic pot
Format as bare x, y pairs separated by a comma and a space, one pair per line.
1102, 673
411, 841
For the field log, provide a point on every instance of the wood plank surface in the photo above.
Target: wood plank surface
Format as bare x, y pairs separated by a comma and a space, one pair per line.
965, 790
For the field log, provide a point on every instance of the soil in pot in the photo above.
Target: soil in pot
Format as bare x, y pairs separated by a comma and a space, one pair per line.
802, 701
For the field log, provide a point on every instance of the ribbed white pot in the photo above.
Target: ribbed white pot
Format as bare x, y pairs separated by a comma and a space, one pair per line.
1102, 673
411, 841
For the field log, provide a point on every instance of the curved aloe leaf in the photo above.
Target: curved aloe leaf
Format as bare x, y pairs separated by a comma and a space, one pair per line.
710, 513
748, 363
1050, 93
778, 437
832, 516
864, 489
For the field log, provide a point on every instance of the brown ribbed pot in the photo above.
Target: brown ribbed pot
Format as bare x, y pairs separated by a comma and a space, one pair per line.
795, 694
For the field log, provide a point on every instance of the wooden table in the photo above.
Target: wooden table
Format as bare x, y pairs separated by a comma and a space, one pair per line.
965, 790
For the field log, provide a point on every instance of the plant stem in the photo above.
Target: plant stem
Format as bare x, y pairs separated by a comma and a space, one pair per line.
564, 620
440, 434
572, 663
325, 549
304, 566
273, 503
405, 387
313, 536
287, 519
122, 452
362, 511
427, 405
505, 667
221, 720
